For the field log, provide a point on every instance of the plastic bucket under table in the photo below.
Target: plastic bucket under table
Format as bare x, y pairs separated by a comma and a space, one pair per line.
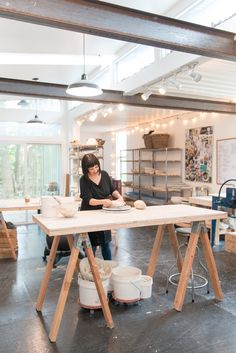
146, 286
126, 284
88, 295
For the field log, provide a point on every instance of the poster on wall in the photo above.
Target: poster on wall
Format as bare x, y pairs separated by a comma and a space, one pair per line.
198, 154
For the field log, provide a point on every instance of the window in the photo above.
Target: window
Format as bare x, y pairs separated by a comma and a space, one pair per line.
29, 130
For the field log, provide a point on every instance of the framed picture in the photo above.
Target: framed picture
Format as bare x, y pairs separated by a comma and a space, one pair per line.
198, 154
226, 159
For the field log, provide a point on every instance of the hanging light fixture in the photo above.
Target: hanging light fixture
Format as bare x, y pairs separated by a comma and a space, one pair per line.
84, 88
36, 118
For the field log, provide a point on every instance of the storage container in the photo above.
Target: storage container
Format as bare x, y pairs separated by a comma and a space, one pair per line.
146, 286
88, 295
5, 251
147, 141
159, 140
126, 284
230, 242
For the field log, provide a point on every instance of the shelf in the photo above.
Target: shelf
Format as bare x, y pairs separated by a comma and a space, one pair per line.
86, 147
163, 165
153, 175
154, 149
160, 161
130, 160
146, 198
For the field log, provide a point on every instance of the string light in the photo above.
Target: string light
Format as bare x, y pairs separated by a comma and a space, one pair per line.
184, 117
156, 124
103, 111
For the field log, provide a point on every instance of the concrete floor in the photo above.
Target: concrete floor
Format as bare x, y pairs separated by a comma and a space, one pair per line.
150, 326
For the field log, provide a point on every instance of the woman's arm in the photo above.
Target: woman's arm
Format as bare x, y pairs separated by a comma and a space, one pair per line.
97, 202
117, 196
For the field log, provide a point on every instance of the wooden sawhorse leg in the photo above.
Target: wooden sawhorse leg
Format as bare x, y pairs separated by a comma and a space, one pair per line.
67, 282
198, 229
5, 230
211, 264
47, 274
175, 245
155, 251
187, 265
157, 245
71, 245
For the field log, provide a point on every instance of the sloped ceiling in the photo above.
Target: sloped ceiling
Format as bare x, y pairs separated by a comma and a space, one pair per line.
21, 38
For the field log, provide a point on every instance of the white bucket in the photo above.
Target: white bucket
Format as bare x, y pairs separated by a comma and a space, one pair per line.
112, 264
88, 295
146, 287
49, 207
126, 283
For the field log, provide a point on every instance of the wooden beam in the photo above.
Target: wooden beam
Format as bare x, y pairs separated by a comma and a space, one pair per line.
56, 91
116, 22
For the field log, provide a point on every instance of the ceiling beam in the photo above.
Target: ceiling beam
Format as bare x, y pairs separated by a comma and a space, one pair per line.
130, 25
56, 91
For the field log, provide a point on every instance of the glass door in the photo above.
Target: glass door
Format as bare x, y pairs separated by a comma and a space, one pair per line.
12, 176
29, 169
43, 169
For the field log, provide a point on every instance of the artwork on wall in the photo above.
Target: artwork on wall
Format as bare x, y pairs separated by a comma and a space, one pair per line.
198, 154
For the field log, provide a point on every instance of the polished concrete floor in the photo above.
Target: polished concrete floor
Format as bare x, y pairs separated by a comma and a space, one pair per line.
147, 327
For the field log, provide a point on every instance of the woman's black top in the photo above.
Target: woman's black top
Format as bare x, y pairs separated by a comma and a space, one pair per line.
90, 190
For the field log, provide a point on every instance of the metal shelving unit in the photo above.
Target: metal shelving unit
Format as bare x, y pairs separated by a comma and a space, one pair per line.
154, 174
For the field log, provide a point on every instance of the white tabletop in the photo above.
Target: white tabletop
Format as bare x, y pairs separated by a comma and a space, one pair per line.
33, 204
19, 204
201, 200
85, 221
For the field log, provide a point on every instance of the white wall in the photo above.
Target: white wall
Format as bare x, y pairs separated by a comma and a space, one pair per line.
224, 127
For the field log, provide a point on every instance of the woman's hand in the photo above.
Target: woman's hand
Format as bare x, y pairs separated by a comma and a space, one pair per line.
107, 203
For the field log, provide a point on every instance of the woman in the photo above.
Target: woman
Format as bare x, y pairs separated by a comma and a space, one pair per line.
96, 191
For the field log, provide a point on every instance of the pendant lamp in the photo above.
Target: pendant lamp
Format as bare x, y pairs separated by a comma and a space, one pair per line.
84, 88
36, 118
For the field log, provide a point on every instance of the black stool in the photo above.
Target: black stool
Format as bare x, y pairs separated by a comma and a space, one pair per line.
196, 280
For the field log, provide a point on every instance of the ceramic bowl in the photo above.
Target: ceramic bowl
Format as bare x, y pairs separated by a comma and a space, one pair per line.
68, 209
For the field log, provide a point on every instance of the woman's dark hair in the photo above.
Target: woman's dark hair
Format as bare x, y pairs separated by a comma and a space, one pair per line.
88, 161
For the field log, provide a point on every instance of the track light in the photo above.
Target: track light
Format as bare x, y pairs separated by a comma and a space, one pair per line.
177, 84
162, 90
146, 95
196, 77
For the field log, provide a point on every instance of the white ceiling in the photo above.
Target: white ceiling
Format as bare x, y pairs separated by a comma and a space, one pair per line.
53, 55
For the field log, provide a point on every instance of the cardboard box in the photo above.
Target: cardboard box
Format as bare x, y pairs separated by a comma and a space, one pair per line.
230, 242
5, 251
